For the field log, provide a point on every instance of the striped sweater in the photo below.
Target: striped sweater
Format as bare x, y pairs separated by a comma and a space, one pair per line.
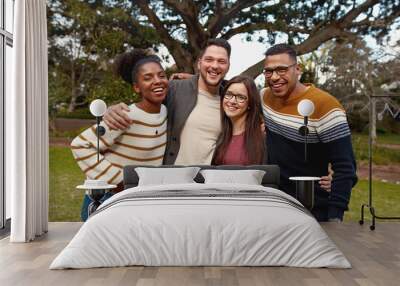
142, 143
329, 142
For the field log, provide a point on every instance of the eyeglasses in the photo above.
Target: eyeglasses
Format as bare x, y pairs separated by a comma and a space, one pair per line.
280, 70
239, 98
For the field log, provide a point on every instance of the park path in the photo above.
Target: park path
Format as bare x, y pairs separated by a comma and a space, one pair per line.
385, 173
60, 141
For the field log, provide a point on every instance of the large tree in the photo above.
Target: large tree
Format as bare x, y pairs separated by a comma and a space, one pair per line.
84, 37
185, 26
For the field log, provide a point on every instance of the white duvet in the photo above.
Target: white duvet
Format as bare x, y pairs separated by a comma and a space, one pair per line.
225, 225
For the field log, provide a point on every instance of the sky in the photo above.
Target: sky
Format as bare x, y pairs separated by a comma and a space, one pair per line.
244, 53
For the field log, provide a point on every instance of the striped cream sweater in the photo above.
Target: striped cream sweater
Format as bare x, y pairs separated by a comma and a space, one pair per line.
142, 143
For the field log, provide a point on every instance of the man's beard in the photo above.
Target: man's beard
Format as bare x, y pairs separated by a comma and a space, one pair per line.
204, 78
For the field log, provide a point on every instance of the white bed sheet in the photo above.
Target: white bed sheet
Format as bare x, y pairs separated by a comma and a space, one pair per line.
190, 231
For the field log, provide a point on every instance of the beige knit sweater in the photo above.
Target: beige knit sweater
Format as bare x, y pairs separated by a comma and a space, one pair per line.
143, 143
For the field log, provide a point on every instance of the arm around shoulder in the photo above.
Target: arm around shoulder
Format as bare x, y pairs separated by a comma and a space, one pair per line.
84, 150
116, 116
344, 166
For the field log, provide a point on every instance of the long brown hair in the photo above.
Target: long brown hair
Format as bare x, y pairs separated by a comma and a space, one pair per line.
253, 135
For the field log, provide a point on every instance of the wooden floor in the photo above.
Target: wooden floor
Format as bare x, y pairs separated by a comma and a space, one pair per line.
374, 255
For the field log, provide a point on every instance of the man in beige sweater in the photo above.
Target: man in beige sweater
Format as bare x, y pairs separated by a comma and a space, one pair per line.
193, 109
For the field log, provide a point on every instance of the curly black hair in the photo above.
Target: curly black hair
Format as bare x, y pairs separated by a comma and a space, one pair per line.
127, 64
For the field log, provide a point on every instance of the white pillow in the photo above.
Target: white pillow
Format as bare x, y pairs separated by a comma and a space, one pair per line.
166, 176
248, 177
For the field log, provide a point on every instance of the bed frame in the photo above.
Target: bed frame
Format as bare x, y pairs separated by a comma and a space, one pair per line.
270, 179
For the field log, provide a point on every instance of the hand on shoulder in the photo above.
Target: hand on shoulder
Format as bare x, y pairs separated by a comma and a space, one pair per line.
180, 75
116, 117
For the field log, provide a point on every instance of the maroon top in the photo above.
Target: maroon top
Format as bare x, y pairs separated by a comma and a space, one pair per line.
236, 154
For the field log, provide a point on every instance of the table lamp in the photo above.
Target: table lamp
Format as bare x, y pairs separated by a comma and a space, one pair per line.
97, 108
305, 109
305, 185
96, 189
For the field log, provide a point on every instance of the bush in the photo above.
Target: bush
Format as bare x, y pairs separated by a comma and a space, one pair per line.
81, 113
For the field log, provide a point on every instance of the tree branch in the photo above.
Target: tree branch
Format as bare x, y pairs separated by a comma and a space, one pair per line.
218, 7
249, 27
174, 47
312, 43
218, 22
379, 23
355, 12
189, 13
323, 33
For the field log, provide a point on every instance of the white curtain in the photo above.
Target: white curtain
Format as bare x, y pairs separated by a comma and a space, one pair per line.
27, 124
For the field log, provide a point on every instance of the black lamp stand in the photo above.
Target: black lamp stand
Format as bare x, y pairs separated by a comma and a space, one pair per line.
95, 195
303, 130
370, 203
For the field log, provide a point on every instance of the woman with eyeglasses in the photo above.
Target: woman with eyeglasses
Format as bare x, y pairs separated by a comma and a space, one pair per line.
242, 139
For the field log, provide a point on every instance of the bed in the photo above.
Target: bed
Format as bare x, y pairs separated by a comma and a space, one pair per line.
201, 224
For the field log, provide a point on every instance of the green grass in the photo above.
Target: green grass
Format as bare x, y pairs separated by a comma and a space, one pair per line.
381, 155
385, 199
387, 138
64, 200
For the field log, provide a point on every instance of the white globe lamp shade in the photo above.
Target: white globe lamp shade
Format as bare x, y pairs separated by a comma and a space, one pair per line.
98, 107
305, 107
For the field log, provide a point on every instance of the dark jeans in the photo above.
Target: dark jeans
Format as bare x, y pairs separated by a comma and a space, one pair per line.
87, 201
320, 213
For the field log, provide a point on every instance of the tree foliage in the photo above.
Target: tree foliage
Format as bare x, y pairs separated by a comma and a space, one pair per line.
185, 26
354, 72
84, 37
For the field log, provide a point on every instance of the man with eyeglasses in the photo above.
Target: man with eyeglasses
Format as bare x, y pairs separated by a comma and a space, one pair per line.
329, 140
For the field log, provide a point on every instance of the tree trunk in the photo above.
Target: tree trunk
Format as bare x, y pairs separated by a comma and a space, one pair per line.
255, 70
185, 64
373, 121
72, 103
